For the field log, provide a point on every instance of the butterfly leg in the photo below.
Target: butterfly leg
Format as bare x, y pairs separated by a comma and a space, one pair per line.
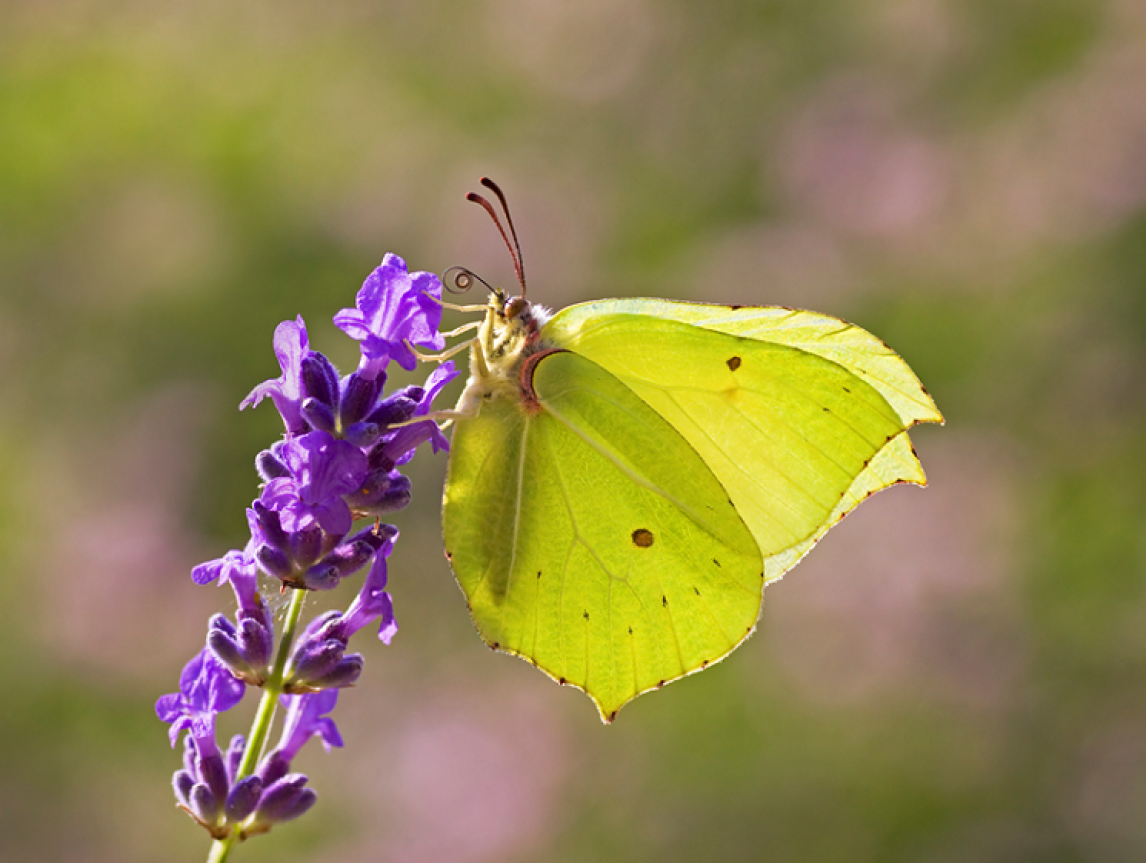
479, 307
443, 417
464, 328
444, 355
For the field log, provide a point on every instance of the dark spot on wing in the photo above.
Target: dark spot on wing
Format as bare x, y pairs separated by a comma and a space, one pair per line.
630, 630
717, 562
642, 538
561, 681
611, 716
585, 614
704, 664
846, 390
539, 573
664, 601
661, 685
494, 645
694, 590
828, 410
449, 555
733, 363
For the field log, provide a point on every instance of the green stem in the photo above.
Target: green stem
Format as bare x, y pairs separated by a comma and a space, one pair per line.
261, 726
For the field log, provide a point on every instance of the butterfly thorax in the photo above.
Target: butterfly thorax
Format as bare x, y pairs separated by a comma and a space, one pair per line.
509, 335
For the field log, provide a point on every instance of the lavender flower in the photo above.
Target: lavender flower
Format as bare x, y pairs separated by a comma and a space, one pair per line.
206, 689
392, 308
320, 660
291, 346
339, 460
322, 469
244, 646
306, 717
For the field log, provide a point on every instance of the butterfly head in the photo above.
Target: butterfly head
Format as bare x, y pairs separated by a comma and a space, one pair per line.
512, 327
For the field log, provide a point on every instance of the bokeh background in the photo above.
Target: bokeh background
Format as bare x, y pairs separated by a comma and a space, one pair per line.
954, 674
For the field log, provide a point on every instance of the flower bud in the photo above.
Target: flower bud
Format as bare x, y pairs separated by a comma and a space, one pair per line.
362, 434
319, 381
358, 397
269, 467
226, 649
273, 768
273, 562
319, 415
203, 805
355, 553
309, 544
286, 799
213, 772
397, 407
383, 491
345, 673
254, 641
243, 799
321, 576
234, 755
183, 782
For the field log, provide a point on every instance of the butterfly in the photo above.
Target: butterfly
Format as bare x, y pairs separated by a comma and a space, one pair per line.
627, 475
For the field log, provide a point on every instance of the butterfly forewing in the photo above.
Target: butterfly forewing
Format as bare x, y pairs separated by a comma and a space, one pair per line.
789, 433
850, 346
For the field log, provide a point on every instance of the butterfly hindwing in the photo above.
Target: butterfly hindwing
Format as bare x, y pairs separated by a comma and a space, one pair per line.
591, 538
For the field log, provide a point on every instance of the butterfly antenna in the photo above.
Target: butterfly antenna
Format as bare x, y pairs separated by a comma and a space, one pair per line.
514, 246
462, 280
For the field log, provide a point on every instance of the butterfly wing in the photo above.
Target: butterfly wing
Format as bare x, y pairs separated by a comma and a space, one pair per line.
800, 416
591, 539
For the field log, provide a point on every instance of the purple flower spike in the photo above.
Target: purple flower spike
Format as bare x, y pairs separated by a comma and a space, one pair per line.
206, 689
286, 391
394, 307
322, 470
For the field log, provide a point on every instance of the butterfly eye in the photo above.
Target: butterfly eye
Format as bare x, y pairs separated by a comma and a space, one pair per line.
515, 307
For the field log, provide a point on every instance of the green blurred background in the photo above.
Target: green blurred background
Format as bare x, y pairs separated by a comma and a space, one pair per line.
954, 674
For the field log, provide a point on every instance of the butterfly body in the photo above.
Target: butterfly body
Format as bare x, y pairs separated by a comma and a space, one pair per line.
508, 335
627, 475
